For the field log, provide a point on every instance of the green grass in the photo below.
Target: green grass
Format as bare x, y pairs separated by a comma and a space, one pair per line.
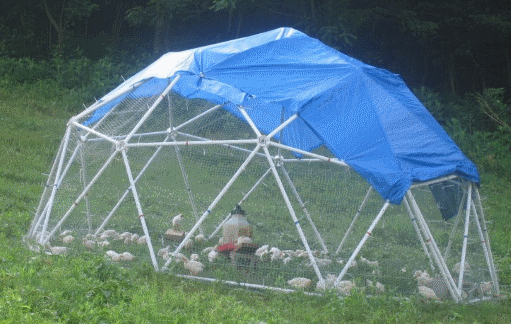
83, 287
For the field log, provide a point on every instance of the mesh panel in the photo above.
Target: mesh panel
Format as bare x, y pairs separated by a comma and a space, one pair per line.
189, 179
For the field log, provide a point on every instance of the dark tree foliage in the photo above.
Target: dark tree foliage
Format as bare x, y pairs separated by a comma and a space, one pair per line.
451, 46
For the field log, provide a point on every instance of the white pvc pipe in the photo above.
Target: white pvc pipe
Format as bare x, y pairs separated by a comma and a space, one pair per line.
210, 110
302, 205
293, 215
92, 131
139, 209
225, 145
317, 156
362, 242
80, 197
437, 256
483, 242
152, 108
419, 234
84, 174
282, 126
45, 191
487, 240
465, 238
364, 201
138, 135
99, 104
187, 143
148, 163
455, 226
187, 186
214, 203
426, 183
250, 122
55, 186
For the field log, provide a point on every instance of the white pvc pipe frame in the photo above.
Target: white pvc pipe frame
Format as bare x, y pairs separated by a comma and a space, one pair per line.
315, 157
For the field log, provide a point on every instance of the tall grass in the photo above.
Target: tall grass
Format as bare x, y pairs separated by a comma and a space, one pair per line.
37, 288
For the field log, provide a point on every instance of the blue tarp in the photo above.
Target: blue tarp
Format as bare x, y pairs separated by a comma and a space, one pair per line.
365, 115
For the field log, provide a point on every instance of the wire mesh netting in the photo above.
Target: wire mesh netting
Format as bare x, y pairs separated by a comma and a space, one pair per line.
180, 166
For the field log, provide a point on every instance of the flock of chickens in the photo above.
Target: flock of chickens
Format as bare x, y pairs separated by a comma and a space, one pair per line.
428, 287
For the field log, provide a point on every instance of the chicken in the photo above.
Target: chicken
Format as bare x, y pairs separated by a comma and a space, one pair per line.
194, 257
290, 253
321, 262
212, 255
300, 283
379, 288
208, 249
200, 238
176, 221
68, 239
188, 244
244, 240
422, 278
88, 243
301, 254
345, 287
262, 250
112, 255
328, 283
103, 243
276, 254
65, 233
428, 293
287, 259
164, 250
457, 267
58, 250
195, 267
126, 256
123, 236
371, 263
142, 240
134, 238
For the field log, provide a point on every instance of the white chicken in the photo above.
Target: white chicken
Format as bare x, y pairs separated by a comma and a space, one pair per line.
164, 250
195, 267
134, 238
103, 243
123, 236
212, 255
112, 255
208, 249
65, 233
200, 238
428, 293
422, 278
457, 267
371, 263
262, 250
286, 260
300, 283
276, 254
142, 240
321, 262
194, 257
68, 239
345, 287
176, 221
89, 244
126, 256
328, 283
58, 250
188, 244
244, 240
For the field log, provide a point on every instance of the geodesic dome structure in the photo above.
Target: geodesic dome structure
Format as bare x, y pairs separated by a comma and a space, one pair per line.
342, 171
